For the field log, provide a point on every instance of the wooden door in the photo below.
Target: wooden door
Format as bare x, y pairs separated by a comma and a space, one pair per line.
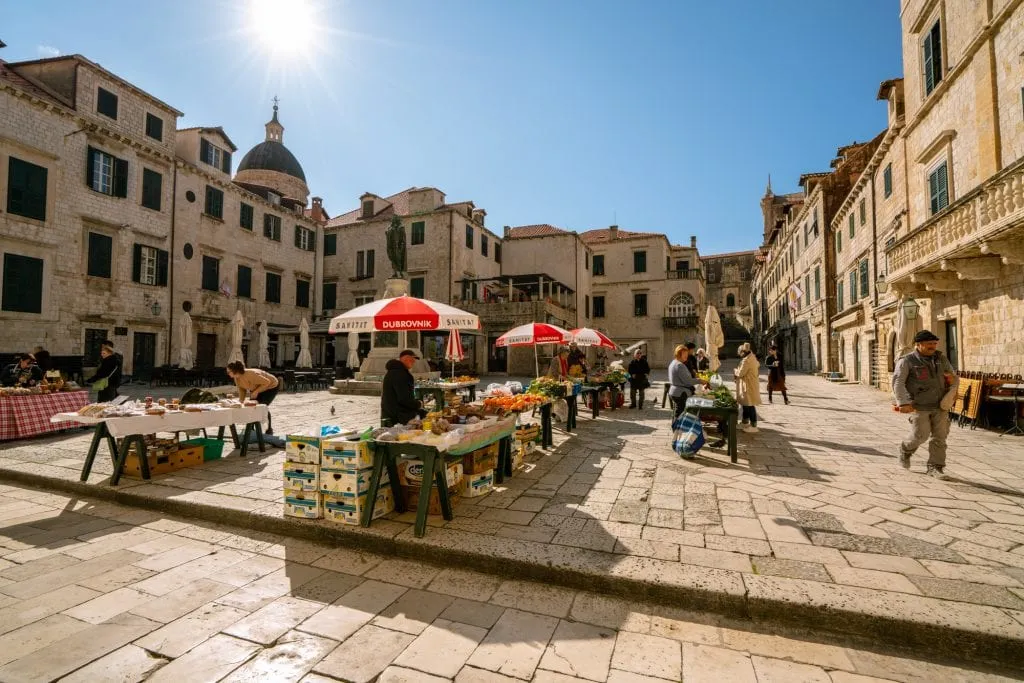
206, 351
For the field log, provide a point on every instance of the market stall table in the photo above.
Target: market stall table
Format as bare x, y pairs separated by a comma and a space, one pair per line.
132, 430
387, 453
595, 389
25, 415
721, 414
438, 389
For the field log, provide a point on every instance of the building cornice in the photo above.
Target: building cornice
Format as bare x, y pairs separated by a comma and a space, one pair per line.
255, 198
876, 160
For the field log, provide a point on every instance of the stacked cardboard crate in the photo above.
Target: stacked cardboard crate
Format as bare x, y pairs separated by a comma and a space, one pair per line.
345, 471
410, 476
163, 456
478, 467
302, 496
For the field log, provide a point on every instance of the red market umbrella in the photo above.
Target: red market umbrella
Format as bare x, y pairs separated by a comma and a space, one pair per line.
453, 351
403, 314
584, 336
533, 334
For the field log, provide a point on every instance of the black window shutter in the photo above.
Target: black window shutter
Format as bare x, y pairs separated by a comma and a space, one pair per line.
90, 166
298, 235
226, 162
120, 178
369, 262
936, 53
204, 150
162, 259
136, 263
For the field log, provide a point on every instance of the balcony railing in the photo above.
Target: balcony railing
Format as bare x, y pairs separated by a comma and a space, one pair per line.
682, 322
691, 274
980, 214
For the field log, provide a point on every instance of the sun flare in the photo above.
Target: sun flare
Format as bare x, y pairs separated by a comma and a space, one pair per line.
284, 27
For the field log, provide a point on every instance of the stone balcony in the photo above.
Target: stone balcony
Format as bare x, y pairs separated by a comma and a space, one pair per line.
509, 314
689, 274
681, 322
970, 239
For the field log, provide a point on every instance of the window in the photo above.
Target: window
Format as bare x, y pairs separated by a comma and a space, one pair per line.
497, 253
469, 236
364, 263
683, 265
864, 278
214, 202
211, 273
640, 304
245, 216
330, 297
681, 305
817, 283
272, 227
331, 244
938, 188
23, 284
149, 265
107, 174
814, 224
26, 189
418, 287
273, 288
274, 198
807, 234
305, 239
730, 301
887, 180
93, 343
598, 264
101, 251
639, 261
863, 212
839, 296
839, 241
369, 262
598, 306
932, 49
244, 283
302, 293
152, 189
807, 288
214, 156
853, 287
586, 305
586, 260
851, 225
483, 244
154, 127
361, 300
106, 103
419, 232
368, 208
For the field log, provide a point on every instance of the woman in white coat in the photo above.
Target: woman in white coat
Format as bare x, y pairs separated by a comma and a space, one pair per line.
748, 387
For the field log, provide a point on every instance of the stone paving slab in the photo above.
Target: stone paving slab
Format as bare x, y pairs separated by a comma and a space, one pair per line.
817, 512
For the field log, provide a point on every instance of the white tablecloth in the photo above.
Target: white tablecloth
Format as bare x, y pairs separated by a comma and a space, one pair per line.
178, 421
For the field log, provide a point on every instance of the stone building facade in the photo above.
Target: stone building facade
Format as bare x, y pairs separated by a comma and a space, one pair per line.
728, 279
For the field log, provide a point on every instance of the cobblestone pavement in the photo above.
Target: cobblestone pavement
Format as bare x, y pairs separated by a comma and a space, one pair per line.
93, 591
817, 511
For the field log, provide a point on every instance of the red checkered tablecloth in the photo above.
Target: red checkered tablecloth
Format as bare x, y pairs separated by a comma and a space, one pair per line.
24, 416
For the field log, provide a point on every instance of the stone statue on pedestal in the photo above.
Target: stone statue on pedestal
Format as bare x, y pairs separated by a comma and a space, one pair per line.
396, 247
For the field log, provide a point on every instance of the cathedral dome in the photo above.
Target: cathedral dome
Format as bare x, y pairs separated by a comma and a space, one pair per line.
272, 166
271, 155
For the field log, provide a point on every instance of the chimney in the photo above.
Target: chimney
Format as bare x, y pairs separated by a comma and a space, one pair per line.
317, 210
614, 230
508, 231
693, 241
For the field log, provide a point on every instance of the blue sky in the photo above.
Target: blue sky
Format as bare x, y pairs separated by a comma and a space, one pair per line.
661, 116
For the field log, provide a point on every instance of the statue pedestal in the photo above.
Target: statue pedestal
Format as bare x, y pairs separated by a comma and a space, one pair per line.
385, 346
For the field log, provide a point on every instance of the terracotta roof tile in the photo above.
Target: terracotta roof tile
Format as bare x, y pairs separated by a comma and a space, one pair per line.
538, 230
398, 205
28, 85
605, 235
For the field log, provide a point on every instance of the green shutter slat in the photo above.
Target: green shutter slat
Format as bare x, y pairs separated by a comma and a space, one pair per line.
120, 178
90, 166
936, 53
136, 263
226, 162
162, 259
298, 236
204, 149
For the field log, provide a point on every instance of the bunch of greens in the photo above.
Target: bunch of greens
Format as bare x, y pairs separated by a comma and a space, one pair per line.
723, 398
547, 386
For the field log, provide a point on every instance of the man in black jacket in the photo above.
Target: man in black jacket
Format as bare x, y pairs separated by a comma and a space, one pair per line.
109, 370
639, 370
398, 402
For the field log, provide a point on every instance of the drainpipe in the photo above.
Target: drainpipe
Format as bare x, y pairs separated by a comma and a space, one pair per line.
874, 274
171, 261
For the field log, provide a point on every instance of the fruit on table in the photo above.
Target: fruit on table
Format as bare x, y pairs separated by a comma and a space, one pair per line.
516, 404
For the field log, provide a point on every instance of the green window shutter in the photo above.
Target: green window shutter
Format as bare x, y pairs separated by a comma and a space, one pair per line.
90, 166
245, 216
417, 287
936, 34
120, 178
100, 248
497, 253
817, 284
204, 150
853, 287
839, 241
298, 236
302, 293
331, 244
162, 262
887, 180
225, 164
929, 65
851, 222
22, 284
244, 285
26, 189
369, 262
330, 297
152, 189
863, 278
136, 263
418, 232
942, 183
839, 296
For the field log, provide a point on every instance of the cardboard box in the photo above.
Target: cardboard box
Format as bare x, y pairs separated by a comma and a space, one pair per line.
348, 509
480, 461
410, 473
163, 460
339, 454
348, 481
478, 484
300, 476
412, 499
302, 448
304, 504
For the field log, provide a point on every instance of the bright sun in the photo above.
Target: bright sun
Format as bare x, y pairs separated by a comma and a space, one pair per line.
283, 26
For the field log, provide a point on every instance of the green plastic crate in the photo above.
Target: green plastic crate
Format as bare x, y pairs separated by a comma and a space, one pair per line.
213, 449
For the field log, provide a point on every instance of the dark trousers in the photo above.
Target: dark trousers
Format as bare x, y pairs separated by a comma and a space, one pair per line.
108, 394
783, 392
266, 398
633, 391
750, 414
679, 404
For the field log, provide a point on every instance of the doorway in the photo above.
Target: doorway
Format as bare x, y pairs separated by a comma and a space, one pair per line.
497, 359
952, 344
856, 358
875, 363
206, 351
143, 355
817, 354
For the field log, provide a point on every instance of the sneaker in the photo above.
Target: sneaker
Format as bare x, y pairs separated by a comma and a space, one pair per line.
904, 460
937, 472
744, 423
751, 430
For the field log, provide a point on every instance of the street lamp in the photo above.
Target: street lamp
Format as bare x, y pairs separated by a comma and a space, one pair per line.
881, 286
910, 308
155, 308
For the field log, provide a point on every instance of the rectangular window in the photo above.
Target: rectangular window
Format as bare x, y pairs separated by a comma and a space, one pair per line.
101, 252
361, 300
211, 274
497, 253
369, 262
598, 306
863, 212
598, 264
149, 265
331, 244
817, 283
107, 174
330, 296
814, 226
154, 127
864, 278
483, 245
586, 305
152, 189
932, 57
302, 293
839, 296
245, 216
938, 188
469, 236
851, 223
26, 189
586, 260
640, 304
244, 284
273, 288
368, 208
23, 284
94, 339
419, 232
853, 287
839, 241
807, 234
213, 155
305, 239
887, 180
214, 202
272, 227
106, 103
418, 287
640, 262
360, 264
806, 298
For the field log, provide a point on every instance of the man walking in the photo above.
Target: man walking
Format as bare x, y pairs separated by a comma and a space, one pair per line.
920, 382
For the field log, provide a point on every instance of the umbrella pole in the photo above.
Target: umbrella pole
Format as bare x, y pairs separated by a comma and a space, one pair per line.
536, 362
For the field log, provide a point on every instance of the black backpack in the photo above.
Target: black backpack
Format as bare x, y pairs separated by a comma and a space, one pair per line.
196, 395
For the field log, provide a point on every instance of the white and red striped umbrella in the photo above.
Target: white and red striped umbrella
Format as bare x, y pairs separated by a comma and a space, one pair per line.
453, 350
532, 334
403, 314
584, 336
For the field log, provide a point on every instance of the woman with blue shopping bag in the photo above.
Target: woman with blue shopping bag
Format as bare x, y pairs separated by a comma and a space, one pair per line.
687, 431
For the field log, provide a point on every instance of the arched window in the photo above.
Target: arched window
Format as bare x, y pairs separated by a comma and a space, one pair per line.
730, 301
681, 305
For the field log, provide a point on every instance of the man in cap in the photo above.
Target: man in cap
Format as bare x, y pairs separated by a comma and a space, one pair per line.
398, 402
920, 382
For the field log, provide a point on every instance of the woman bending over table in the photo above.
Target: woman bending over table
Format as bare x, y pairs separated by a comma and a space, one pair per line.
256, 384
